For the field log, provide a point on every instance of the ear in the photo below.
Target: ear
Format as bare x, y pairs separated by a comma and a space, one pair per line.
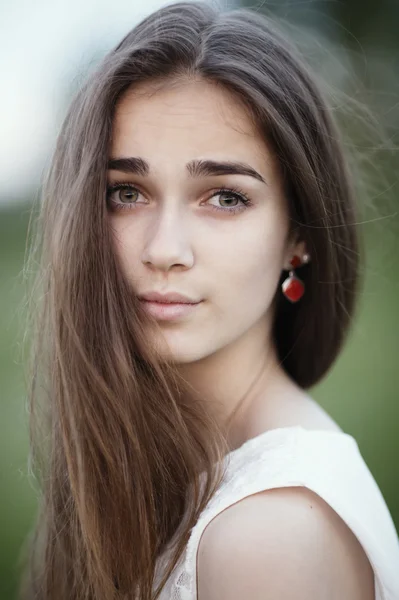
299, 249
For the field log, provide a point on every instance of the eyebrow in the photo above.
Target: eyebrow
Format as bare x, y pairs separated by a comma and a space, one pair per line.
195, 168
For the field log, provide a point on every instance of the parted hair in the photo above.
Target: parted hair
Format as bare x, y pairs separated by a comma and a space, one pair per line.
118, 437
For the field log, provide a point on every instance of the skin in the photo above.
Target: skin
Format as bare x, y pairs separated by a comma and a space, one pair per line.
173, 239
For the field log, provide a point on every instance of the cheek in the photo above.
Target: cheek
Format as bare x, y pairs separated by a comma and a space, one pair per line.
237, 264
125, 246
249, 265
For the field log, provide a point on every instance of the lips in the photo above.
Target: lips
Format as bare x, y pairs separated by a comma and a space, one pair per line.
168, 298
169, 311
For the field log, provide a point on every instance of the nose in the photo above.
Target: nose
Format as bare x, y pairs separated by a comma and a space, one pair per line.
167, 241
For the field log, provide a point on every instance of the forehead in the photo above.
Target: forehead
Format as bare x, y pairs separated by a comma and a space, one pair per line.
196, 117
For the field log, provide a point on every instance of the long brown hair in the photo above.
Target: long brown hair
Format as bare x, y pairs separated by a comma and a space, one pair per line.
118, 438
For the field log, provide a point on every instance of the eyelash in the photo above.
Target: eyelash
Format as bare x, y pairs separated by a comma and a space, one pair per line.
118, 185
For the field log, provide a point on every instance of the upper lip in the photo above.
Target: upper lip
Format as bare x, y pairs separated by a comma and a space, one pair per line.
170, 297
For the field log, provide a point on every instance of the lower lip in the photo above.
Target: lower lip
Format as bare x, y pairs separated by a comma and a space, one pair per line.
168, 312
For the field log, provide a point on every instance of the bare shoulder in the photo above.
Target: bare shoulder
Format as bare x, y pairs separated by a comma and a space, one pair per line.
284, 543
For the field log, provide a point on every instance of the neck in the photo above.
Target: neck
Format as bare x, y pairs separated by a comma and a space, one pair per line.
235, 379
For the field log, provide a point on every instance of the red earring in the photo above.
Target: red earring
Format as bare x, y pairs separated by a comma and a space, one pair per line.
293, 288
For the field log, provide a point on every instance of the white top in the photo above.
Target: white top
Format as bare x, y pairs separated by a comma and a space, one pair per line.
327, 462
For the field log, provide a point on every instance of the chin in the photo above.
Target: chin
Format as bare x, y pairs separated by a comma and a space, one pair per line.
181, 349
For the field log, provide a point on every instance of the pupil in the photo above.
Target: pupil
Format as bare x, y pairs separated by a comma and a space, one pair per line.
128, 194
230, 196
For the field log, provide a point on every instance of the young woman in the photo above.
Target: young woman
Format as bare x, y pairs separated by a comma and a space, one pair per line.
199, 274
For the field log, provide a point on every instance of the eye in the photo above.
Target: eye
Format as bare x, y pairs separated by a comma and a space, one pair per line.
126, 196
242, 200
238, 196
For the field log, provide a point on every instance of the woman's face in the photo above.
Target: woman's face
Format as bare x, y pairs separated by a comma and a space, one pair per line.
175, 231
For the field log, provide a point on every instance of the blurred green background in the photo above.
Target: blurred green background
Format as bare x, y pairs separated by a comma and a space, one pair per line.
360, 392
